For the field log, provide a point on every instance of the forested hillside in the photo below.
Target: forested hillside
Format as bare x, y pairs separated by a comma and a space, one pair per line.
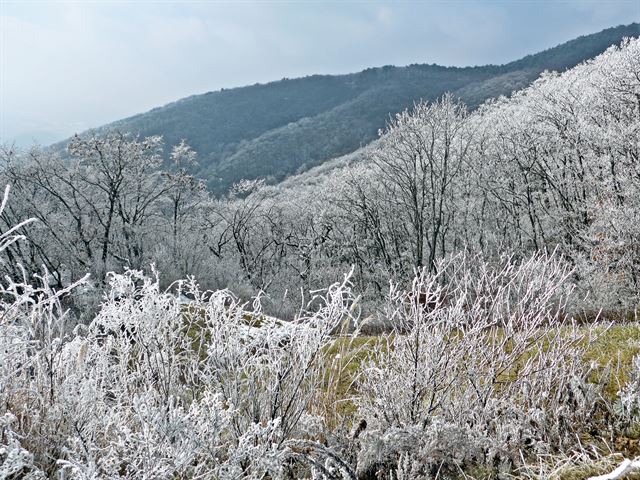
280, 128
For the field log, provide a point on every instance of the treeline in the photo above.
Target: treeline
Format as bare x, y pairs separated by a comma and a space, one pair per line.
555, 166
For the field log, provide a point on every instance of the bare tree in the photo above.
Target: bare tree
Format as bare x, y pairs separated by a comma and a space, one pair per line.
420, 157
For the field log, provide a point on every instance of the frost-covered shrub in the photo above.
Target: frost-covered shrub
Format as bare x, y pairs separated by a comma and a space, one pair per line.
156, 388
486, 367
627, 406
15, 461
421, 450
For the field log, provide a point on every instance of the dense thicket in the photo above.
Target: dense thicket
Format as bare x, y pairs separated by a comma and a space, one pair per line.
493, 379
280, 128
473, 239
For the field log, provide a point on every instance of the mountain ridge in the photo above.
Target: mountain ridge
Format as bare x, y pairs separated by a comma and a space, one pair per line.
276, 129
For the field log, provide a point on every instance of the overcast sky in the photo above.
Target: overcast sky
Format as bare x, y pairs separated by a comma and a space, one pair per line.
69, 66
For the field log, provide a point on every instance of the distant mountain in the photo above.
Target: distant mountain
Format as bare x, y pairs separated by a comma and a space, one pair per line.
280, 128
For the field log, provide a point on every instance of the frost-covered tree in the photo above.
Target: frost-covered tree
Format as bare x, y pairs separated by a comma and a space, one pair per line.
422, 153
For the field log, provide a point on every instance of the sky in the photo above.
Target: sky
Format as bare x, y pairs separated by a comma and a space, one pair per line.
66, 66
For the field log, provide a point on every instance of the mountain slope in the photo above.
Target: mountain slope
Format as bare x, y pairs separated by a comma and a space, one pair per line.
274, 130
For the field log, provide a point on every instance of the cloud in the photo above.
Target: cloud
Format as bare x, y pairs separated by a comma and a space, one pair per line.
173, 33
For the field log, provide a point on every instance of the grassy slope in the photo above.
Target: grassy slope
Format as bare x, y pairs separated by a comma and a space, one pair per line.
617, 347
613, 352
